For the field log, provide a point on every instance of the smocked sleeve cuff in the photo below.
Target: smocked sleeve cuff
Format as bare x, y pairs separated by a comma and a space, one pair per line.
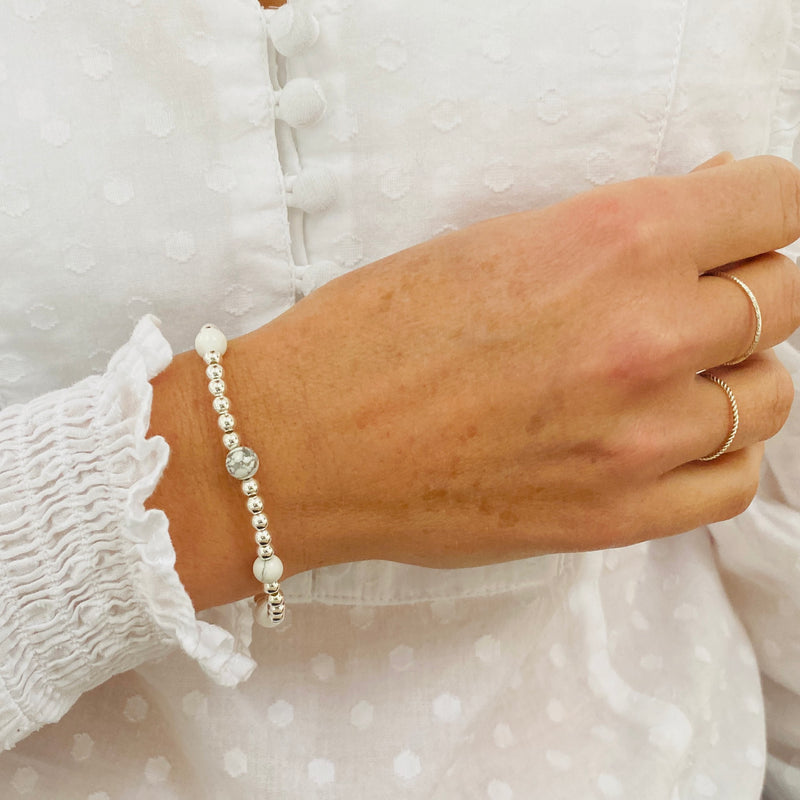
87, 574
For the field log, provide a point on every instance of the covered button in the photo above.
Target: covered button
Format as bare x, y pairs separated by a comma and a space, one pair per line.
300, 102
314, 189
312, 276
292, 30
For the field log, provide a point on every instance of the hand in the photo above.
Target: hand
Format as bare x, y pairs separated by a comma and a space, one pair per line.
529, 384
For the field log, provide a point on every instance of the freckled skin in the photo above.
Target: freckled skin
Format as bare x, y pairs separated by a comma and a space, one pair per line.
526, 385
507, 519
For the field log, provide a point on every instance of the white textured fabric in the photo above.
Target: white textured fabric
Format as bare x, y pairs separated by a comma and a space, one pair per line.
87, 575
143, 171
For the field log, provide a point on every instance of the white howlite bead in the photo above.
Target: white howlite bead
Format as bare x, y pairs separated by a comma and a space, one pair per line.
214, 371
226, 422
300, 103
231, 440
261, 612
210, 338
250, 487
241, 463
268, 570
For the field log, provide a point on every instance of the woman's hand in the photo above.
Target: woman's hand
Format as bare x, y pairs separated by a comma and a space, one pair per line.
529, 384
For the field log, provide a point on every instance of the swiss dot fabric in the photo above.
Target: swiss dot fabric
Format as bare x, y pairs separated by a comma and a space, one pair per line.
162, 165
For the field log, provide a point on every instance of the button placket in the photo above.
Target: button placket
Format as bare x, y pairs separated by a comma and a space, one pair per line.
299, 103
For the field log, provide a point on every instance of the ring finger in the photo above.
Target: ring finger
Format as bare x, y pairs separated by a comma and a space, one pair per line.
763, 392
694, 420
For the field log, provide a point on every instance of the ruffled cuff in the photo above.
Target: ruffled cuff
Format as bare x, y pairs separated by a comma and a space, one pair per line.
87, 574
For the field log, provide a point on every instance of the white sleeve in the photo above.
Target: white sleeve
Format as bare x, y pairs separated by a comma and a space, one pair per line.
86, 572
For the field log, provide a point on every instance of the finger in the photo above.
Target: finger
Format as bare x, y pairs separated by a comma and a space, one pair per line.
692, 419
725, 319
763, 391
696, 494
718, 160
717, 216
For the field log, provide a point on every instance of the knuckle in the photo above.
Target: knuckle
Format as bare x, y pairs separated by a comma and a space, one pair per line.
646, 357
620, 218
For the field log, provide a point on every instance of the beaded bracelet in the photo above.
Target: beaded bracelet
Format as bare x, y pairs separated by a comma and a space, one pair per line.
242, 463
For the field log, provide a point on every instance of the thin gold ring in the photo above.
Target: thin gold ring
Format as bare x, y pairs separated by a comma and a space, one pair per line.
734, 416
756, 310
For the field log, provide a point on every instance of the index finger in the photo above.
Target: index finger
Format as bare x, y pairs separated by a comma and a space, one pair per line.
732, 212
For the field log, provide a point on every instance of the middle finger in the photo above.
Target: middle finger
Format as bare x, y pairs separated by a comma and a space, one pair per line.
724, 315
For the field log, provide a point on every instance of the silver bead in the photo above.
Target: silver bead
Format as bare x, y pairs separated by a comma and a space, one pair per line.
241, 463
277, 612
265, 551
212, 357
226, 422
259, 522
263, 537
271, 588
275, 599
231, 440
266, 617
250, 487
216, 387
214, 372
255, 505
221, 404
267, 622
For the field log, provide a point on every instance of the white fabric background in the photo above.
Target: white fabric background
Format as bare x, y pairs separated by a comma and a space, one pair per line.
142, 170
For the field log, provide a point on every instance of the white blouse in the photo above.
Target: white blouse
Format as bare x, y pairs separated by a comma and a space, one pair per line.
167, 164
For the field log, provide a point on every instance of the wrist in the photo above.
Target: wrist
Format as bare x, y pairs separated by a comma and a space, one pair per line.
208, 523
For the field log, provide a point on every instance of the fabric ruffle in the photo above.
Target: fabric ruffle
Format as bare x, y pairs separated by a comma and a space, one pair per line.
223, 657
87, 574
